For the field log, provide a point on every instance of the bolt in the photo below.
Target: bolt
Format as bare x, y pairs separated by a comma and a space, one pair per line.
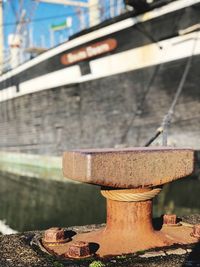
169, 219
79, 249
196, 231
55, 235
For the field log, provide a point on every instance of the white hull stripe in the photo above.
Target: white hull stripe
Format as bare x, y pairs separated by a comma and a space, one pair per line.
142, 57
177, 5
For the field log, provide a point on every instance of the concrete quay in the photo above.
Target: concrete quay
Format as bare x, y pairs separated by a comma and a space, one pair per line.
16, 251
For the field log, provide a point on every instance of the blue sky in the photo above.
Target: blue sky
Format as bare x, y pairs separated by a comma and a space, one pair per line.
43, 16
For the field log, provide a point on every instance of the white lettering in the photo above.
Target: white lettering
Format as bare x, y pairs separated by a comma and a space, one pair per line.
76, 57
94, 51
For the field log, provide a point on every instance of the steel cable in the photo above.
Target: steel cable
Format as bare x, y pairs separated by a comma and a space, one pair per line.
168, 117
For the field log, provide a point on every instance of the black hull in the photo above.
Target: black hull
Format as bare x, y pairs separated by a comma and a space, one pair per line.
102, 113
120, 108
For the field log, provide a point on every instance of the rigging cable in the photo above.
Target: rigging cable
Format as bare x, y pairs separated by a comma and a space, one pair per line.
151, 81
168, 117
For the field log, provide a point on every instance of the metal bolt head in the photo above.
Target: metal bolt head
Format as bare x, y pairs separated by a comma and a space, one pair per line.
78, 249
169, 219
54, 235
196, 231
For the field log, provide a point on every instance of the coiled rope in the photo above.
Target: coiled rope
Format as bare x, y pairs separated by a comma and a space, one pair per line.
128, 195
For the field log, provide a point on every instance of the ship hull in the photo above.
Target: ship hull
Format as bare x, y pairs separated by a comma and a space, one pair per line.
69, 98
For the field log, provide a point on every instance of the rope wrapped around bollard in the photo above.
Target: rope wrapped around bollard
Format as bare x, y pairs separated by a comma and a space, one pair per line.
129, 195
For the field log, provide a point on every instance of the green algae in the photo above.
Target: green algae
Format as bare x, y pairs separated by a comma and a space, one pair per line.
97, 264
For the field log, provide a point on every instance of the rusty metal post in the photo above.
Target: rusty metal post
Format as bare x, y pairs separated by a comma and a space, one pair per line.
129, 178
128, 222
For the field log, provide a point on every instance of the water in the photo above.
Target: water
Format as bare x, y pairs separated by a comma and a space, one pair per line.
28, 204
180, 197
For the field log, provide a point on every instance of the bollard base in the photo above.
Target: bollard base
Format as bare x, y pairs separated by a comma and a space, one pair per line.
128, 229
104, 244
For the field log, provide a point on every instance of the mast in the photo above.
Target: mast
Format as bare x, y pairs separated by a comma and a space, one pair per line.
94, 12
112, 8
1, 36
15, 42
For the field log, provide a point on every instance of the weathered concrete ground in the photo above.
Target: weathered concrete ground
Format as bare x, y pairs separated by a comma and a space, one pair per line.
16, 251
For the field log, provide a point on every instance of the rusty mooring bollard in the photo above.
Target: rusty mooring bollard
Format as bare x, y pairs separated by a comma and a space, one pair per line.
130, 179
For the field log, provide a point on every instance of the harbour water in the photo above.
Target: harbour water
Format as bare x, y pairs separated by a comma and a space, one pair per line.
29, 204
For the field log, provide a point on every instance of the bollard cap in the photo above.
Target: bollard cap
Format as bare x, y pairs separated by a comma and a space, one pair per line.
128, 167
